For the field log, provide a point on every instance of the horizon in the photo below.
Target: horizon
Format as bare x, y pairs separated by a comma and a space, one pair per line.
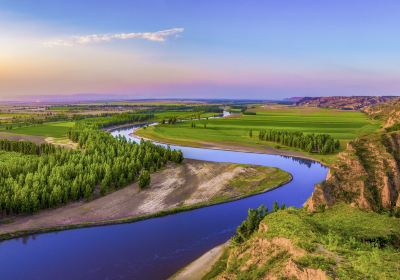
195, 50
94, 98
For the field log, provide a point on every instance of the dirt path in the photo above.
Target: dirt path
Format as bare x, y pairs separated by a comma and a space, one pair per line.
175, 186
201, 266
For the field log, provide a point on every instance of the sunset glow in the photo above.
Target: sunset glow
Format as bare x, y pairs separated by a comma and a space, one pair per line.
199, 49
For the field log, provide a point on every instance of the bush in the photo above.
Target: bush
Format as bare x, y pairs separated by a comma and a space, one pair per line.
249, 113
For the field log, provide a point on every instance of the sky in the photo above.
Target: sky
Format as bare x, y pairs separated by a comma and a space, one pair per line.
251, 49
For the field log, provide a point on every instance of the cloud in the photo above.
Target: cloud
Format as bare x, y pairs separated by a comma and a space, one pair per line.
158, 36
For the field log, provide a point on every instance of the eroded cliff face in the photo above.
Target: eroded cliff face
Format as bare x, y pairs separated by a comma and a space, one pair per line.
366, 175
340, 242
265, 258
387, 112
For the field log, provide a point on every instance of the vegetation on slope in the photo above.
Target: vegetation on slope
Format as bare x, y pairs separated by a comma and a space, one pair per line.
367, 173
340, 242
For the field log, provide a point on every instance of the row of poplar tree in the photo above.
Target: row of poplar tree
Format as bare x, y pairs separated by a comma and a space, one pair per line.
51, 176
312, 143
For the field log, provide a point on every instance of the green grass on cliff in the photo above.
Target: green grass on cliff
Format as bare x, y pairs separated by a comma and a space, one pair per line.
346, 242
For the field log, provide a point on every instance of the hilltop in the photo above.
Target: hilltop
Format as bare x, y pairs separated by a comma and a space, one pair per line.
344, 102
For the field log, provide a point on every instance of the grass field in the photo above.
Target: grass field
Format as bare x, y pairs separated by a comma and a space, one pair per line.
342, 125
50, 129
159, 116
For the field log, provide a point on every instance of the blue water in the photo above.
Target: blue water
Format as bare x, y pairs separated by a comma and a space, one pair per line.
154, 248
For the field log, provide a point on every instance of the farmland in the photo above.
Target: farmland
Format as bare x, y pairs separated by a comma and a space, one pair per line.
234, 131
49, 129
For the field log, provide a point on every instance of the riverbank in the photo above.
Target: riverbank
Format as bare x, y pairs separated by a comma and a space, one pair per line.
176, 188
233, 148
197, 269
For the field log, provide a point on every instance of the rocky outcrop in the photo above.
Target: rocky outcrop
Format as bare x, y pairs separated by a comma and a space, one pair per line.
366, 175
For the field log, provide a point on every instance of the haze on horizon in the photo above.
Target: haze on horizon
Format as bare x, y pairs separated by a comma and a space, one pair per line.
199, 49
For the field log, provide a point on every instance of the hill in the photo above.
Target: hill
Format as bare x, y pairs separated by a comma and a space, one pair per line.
344, 102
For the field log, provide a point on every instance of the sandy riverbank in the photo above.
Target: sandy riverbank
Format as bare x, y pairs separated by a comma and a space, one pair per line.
201, 266
193, 183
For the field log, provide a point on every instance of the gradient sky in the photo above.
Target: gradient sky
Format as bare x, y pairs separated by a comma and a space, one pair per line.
208, 48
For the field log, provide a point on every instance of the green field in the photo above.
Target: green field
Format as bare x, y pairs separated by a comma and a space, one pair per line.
50, 129
159, 116
234, 131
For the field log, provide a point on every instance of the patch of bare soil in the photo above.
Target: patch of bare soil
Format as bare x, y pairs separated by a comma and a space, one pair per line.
176, 185
20, 137
63, 142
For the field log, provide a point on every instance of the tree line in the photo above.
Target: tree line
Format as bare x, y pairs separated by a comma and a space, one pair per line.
115, 119
55, 176
312, 143
26, 147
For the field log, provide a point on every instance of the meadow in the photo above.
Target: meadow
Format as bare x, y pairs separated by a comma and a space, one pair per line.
165, 115
49, 129
234, 131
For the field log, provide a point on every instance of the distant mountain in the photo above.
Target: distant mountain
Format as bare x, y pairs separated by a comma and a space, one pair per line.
344, 102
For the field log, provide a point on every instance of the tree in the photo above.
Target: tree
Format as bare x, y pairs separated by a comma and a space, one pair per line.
144, 179
275, 207
251, 133
251, 224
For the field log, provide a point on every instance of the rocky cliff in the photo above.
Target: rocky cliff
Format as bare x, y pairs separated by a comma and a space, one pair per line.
367, 173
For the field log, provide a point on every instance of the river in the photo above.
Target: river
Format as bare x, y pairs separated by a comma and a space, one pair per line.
158, 247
